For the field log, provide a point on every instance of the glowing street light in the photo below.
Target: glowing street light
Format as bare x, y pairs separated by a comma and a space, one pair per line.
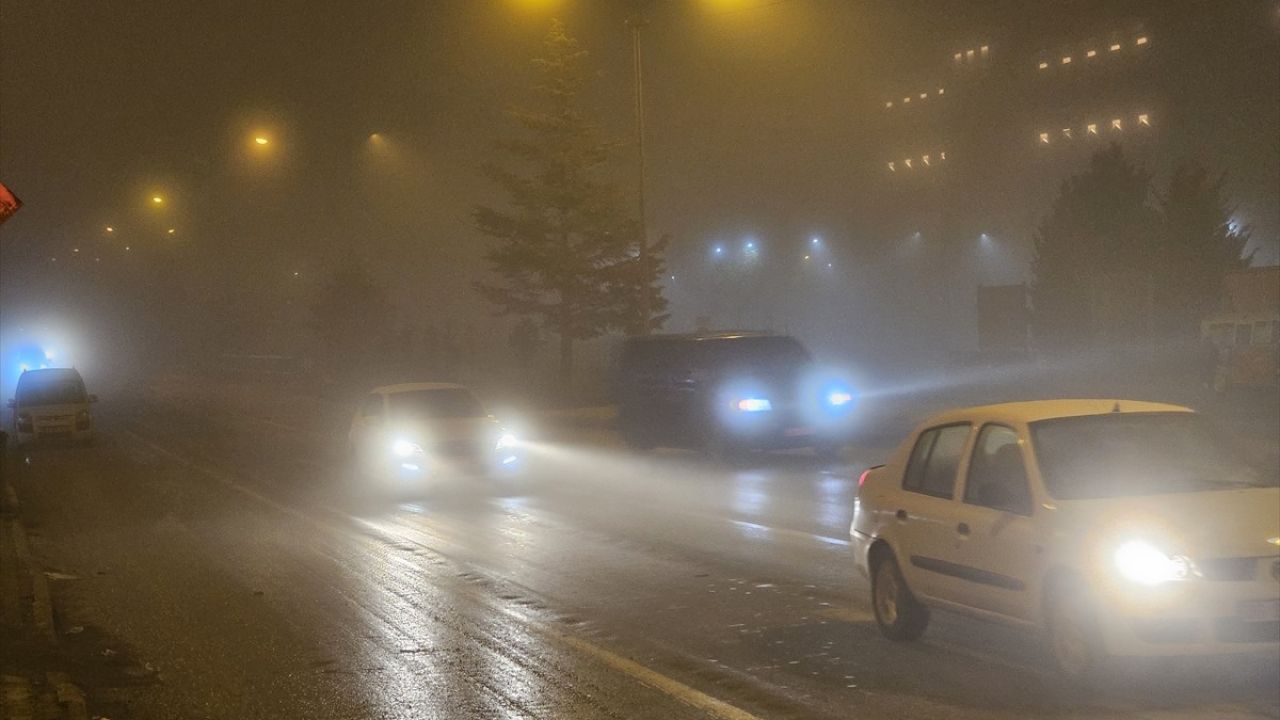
171, 231
261, 140
157, 200
110, 229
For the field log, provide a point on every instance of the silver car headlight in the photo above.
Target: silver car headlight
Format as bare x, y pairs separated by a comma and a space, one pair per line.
1141, 562
402, 448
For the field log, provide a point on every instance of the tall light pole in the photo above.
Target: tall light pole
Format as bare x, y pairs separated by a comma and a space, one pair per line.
637, 22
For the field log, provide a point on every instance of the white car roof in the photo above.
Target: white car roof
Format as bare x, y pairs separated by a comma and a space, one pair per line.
1036, 410
416, 387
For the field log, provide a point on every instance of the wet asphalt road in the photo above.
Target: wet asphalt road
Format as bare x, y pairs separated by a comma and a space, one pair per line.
208, 562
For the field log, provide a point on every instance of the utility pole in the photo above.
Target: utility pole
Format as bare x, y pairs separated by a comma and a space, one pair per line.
637, 22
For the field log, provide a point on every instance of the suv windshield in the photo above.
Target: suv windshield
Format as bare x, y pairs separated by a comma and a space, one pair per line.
60, 389
1134, 454
752, 352
434, 404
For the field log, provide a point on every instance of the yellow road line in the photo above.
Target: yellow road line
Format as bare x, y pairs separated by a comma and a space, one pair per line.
655, 680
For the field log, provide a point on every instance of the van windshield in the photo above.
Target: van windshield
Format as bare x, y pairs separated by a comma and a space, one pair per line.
60, 390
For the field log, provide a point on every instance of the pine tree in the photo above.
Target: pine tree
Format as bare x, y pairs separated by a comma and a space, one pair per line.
1093, 266
565, 251
1198, 246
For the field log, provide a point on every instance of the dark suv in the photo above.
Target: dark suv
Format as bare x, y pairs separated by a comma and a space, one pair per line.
722, 391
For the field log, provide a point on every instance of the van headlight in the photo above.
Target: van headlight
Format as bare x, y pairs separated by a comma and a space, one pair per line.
404, 449
1143, 563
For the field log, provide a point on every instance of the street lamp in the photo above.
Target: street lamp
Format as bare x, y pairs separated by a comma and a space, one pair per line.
157, 200
637, 22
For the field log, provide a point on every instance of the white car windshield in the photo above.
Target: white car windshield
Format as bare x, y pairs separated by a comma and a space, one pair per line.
1134, 454
436, 404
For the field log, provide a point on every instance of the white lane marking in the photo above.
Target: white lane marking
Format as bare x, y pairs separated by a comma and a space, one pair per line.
651, 678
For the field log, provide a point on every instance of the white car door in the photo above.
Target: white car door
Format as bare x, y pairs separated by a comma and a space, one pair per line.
923, 511
998, 550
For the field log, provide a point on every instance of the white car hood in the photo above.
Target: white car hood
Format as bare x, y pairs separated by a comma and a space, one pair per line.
1213, 524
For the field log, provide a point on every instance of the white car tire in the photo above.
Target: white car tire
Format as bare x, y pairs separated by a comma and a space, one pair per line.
900, 616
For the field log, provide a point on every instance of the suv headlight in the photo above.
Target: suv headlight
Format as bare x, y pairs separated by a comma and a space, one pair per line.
1143, 563
754, 404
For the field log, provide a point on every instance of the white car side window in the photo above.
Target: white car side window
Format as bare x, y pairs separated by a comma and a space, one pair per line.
934, 461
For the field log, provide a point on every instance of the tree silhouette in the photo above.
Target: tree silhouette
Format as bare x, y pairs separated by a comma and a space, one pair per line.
565, 252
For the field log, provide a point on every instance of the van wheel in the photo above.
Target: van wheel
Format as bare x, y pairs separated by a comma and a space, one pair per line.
899, 615
1072, 639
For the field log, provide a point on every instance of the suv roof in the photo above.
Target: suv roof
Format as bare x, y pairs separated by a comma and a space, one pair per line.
44, 375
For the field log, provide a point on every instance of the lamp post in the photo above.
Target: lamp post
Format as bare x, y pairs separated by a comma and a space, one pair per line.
637, 22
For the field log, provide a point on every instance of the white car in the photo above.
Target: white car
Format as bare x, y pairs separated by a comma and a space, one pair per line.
404, 434
1113, 527
51, 403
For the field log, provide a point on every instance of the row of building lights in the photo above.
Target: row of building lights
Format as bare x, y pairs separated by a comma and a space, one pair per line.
924, 161
1093, 129
972, 54
888, 104
1091, 53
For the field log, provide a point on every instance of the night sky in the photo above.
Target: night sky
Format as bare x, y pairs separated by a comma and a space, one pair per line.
760, 122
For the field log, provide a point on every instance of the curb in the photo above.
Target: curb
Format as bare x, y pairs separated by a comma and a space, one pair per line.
18, 698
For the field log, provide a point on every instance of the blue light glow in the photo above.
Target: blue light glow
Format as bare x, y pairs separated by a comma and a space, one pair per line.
836, 398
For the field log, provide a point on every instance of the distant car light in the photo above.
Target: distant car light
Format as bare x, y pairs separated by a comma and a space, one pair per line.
1143, 563
838, 398
754, 405
403, 448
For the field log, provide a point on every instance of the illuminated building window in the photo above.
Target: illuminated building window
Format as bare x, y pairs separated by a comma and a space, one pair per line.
906, 100
942, 156
1091, 53
1066, 133
1141, 41
942, 91
907, 162
1044, 65
924, 95
1144, 119
1066, 60
888, 104
984, 49
1044, 138
1115, 47
892, 167
1116, 124
1092, 128
925, 159
959, 57
968, 55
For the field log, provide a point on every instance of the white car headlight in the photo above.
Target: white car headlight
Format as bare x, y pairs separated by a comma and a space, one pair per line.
403, 448
506, 441
1143, 563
